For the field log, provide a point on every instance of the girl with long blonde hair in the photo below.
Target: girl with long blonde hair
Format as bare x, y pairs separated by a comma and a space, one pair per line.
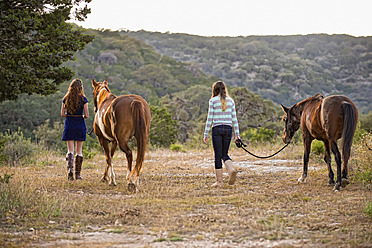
222, 119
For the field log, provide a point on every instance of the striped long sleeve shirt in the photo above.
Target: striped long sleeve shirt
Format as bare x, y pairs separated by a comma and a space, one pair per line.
218, 117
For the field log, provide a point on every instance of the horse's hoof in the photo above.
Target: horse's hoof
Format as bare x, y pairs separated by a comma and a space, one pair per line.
103, 179
345, 182
301, 180
113, 183
332, 183
131, 187
336, 188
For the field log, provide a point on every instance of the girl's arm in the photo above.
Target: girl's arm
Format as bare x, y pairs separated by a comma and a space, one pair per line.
63, 110
235, 121
86, 112
209, 121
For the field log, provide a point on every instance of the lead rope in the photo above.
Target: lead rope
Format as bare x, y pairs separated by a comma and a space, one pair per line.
90, 132
240, 144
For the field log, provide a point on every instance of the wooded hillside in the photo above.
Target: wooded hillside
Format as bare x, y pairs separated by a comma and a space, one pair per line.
284, 69
133, 67
268, 66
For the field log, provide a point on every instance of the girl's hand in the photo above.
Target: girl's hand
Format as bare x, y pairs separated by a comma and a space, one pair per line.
205, 140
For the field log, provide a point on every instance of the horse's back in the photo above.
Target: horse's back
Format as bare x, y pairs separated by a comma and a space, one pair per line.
122, 108
332, 105
333, 114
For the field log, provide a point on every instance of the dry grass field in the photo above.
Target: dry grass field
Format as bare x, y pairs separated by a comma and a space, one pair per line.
176, 208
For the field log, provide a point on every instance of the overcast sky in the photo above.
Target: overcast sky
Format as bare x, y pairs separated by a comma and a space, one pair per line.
234, 17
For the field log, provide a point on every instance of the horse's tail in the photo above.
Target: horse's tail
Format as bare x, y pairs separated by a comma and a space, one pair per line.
349, 129
140, 133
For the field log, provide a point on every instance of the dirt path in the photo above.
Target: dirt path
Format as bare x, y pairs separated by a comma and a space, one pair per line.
176, 208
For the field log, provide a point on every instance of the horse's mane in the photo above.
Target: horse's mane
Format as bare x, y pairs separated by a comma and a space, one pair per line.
318, 97
298, 108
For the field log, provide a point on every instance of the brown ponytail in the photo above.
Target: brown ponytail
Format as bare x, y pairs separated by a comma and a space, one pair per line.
219, 88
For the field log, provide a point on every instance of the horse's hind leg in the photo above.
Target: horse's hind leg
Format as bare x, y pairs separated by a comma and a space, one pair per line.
128, 153
345, 155
112, 152
328, 160
337, 155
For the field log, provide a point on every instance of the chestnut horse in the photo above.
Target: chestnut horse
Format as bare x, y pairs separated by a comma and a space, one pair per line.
326, 119
116, 121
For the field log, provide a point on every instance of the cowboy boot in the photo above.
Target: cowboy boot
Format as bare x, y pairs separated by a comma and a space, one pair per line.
232, 172
78, 164
70, 166
218, 183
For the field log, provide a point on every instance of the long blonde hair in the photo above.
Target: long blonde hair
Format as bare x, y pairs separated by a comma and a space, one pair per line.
74, 96
219, 88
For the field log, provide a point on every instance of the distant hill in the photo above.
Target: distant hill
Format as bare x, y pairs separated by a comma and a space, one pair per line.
284, 69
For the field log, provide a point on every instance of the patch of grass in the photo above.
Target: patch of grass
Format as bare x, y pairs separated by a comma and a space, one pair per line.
5, 178
160, 240
116, 230
368, 209
366, 176
175, 238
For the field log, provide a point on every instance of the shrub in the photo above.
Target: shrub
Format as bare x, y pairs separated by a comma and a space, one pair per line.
15, 147
317, 147
163, 130
50, 137
176, 148
366, 177
359, 134
262, 134
3, 140
360, 164
91, 147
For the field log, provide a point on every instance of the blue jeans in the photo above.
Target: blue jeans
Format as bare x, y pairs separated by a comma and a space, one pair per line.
221, 138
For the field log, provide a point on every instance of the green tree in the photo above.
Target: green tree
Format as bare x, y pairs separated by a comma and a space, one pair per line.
35, 40
163, 130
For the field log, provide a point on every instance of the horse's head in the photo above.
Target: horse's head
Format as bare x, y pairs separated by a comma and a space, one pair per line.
97, 87
291, 119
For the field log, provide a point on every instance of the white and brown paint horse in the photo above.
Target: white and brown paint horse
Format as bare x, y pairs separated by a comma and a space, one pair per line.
117, 119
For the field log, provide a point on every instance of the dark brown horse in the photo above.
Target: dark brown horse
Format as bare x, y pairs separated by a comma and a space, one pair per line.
326, 119
116, 121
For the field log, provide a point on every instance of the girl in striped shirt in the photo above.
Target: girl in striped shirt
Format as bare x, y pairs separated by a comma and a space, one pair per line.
222, 119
